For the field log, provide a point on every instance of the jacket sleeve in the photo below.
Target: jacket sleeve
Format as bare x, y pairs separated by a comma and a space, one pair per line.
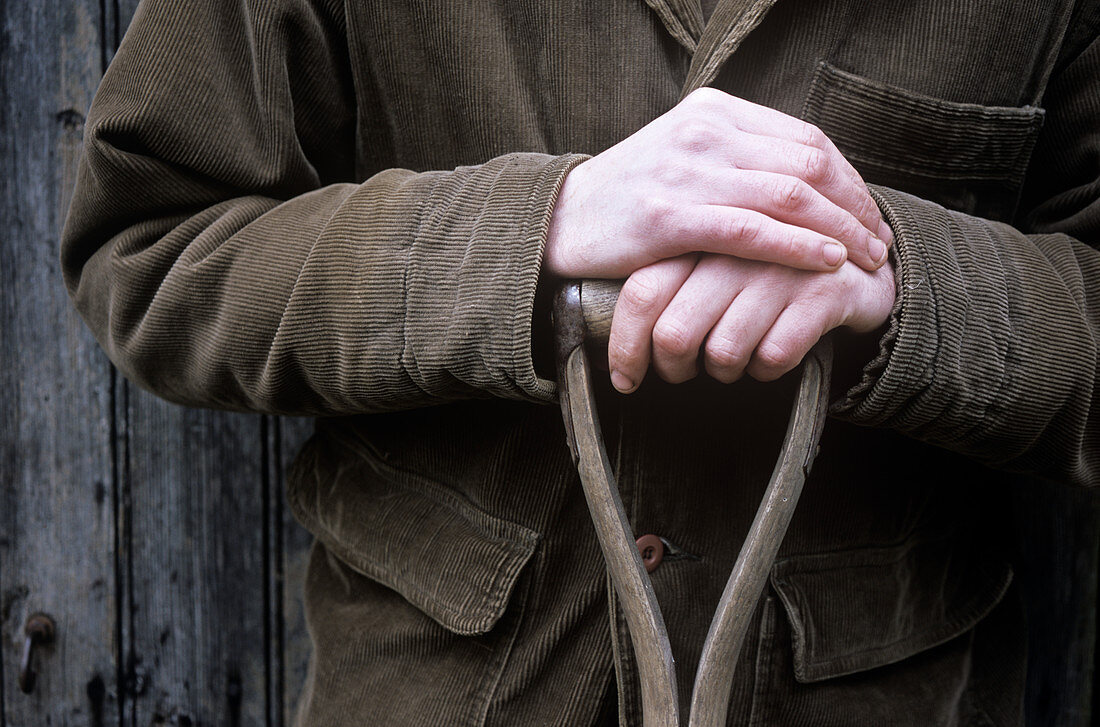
992, 349
223, 256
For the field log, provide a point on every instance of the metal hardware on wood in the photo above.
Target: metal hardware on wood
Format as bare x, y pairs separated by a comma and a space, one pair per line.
40, 631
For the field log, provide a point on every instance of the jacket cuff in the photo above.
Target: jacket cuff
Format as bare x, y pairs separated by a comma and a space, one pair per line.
472, 274
543, 196
937, 363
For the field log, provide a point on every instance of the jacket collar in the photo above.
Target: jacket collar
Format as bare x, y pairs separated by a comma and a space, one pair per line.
683, 19
712, 45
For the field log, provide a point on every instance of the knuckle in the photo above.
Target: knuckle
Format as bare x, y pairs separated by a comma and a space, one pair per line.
622, 352
642, 292
658, 215
695, 135
773, 359
677, 174
704, 96
743, 227
790, 194
853, 229
793, 248
724, 360
813, 166
820, 311
679, 376
672, 338
810, 135
867, 209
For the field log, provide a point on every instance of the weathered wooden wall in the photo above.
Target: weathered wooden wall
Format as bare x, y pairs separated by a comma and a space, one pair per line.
157, 537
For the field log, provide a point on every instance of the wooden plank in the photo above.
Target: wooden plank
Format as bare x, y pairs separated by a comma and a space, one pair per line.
56, 479
195, 638
273, 544
296, 541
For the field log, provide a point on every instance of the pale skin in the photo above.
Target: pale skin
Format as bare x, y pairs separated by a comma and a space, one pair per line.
744, 236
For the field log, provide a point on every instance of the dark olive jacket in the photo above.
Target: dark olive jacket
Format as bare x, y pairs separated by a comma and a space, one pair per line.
339, 208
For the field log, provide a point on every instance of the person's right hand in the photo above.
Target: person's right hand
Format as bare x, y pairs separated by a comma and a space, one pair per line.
715, 174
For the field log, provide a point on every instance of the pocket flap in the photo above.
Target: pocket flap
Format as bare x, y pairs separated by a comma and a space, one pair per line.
965, 156
856, 610
453, 561
945, 139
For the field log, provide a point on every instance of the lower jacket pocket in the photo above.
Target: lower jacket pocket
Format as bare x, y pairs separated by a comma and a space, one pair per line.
453, 561
857, 610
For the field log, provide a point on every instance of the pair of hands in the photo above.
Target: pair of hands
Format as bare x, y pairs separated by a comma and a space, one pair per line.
742, 232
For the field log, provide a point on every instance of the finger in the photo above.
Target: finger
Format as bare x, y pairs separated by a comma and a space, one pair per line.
644, 296
764, 121
819, 153
826, 171
794, 332
732, 340
748, 234
789, 199
699, 303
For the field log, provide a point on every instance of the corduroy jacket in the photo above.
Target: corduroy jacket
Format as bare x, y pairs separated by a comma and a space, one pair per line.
338, 208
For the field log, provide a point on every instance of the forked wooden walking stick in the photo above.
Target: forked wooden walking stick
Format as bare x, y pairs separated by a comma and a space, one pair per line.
582, 311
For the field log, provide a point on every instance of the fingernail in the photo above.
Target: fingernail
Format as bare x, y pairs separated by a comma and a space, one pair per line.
834, 254
877, 250
621, 382
884, 232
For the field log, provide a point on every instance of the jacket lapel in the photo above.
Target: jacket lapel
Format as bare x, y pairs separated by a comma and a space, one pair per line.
731, 23
683, 19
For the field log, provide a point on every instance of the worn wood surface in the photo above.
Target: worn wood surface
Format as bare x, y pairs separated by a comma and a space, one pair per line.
195, 626
158, 537
648, 634
589, 307
56, 497
289, 436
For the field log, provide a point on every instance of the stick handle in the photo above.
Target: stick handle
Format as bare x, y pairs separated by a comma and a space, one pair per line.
598, 298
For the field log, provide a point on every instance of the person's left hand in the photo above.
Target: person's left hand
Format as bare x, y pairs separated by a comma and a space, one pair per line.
745, 316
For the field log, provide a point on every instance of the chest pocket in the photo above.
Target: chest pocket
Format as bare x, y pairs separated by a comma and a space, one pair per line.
967, 157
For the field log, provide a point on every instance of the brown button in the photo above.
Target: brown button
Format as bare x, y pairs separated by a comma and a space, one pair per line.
652, 551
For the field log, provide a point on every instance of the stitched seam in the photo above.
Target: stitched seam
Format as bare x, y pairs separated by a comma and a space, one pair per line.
928, 361
934, 170
491, 685
428, 487
870, 88
464, 623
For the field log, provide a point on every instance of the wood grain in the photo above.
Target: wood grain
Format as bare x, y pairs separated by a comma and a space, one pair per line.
294, 557
194, 622
57, 530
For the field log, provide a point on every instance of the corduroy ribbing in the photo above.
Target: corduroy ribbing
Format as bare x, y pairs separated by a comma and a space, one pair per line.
989, 352
285, 208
